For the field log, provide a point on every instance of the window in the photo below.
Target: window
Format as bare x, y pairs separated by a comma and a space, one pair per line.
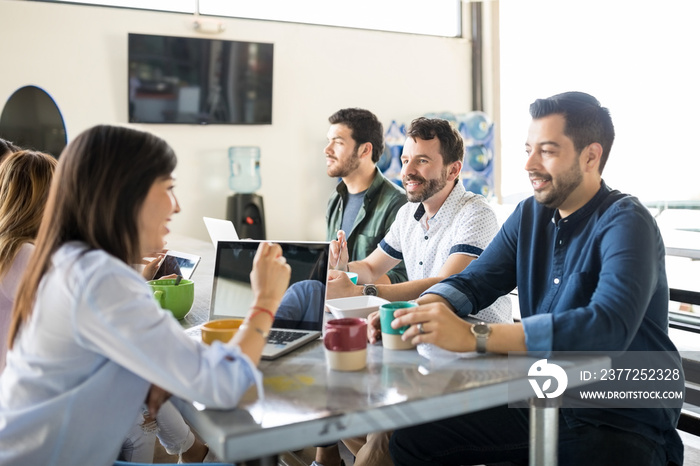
177, 6
639, 59
428, 17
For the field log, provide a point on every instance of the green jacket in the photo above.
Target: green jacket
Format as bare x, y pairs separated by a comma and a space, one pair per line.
382, 200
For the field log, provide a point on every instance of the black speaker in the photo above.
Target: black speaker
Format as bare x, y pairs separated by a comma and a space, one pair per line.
247, 214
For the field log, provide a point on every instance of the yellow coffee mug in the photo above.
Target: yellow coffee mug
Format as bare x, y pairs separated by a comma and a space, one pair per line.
222, 330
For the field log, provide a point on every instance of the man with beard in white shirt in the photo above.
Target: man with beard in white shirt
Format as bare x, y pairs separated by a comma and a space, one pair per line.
441, 230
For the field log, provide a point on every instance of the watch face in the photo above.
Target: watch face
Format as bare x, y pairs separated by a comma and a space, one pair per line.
481, 329
370, 290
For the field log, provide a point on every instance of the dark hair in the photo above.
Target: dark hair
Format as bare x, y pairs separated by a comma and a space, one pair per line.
102, 179
451, 142
586, 120
365, 127
6, 148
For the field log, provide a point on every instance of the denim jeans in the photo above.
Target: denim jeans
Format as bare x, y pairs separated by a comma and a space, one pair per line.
501, 435
173, 433
170, 428
139, 444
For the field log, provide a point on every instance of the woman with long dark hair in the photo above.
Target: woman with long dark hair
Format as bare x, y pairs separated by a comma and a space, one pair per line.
88, 344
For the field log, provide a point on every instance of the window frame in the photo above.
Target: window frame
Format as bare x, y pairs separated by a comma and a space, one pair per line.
441, 18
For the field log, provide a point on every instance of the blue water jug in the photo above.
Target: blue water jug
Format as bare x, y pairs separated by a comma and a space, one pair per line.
478, 157
477, 127
394, 139
478, 185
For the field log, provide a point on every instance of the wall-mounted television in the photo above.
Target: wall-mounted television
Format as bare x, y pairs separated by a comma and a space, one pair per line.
190, 80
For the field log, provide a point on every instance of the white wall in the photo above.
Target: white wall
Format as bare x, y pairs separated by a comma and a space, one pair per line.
78, 54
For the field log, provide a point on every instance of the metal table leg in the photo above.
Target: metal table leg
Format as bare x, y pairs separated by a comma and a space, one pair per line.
544, 431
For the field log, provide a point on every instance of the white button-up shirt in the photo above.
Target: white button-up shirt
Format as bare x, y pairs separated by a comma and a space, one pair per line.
78, 374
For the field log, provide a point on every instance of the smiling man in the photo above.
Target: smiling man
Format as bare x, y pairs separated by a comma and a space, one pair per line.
554, 170
441, 230
589, 265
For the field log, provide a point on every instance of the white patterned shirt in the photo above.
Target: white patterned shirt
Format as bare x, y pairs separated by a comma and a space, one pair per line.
465, 224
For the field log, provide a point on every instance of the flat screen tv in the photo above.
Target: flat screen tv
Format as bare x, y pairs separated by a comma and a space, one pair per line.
199, 81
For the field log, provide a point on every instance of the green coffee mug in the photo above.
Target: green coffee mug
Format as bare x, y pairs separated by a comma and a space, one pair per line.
176, 299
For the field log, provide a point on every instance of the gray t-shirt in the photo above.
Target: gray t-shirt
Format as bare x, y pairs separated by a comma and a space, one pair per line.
352, 207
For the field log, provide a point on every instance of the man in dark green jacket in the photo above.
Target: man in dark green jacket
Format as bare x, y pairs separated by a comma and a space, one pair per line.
365, 202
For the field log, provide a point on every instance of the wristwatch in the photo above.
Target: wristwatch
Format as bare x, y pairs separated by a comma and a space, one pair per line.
369, 290
481, 331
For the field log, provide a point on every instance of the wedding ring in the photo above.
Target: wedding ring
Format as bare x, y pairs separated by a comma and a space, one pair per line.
420, 328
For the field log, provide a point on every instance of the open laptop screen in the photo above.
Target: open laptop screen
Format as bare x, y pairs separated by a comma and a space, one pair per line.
302, 306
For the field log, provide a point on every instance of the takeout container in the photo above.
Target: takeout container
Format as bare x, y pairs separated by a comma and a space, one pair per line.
354, 306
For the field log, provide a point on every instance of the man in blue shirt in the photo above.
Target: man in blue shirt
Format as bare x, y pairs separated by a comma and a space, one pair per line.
589, 265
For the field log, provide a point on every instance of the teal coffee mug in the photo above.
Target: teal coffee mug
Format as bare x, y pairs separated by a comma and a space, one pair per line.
352, 276
391, 337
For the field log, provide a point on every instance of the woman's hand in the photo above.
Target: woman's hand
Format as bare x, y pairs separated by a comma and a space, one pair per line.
155, 399
151, 266
270, 276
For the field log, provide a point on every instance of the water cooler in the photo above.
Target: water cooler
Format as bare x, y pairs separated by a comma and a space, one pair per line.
245, 208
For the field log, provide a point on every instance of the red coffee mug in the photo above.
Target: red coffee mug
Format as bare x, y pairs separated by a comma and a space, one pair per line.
349, 334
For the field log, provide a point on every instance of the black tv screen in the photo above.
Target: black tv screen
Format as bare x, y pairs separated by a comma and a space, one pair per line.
199, 81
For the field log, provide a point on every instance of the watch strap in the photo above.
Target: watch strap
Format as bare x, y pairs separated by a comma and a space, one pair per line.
481, 343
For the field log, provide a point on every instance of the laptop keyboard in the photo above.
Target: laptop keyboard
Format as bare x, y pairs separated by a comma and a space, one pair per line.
282, 337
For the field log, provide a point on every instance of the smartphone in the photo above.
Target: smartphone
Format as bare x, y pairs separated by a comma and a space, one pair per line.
179, 263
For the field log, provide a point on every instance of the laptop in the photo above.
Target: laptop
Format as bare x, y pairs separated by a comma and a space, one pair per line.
220, 230
299, 319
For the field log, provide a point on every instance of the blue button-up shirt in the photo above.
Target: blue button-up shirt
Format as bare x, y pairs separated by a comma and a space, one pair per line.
593, 281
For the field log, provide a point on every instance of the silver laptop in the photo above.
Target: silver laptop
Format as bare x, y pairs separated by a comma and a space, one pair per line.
299, 319
220, 230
